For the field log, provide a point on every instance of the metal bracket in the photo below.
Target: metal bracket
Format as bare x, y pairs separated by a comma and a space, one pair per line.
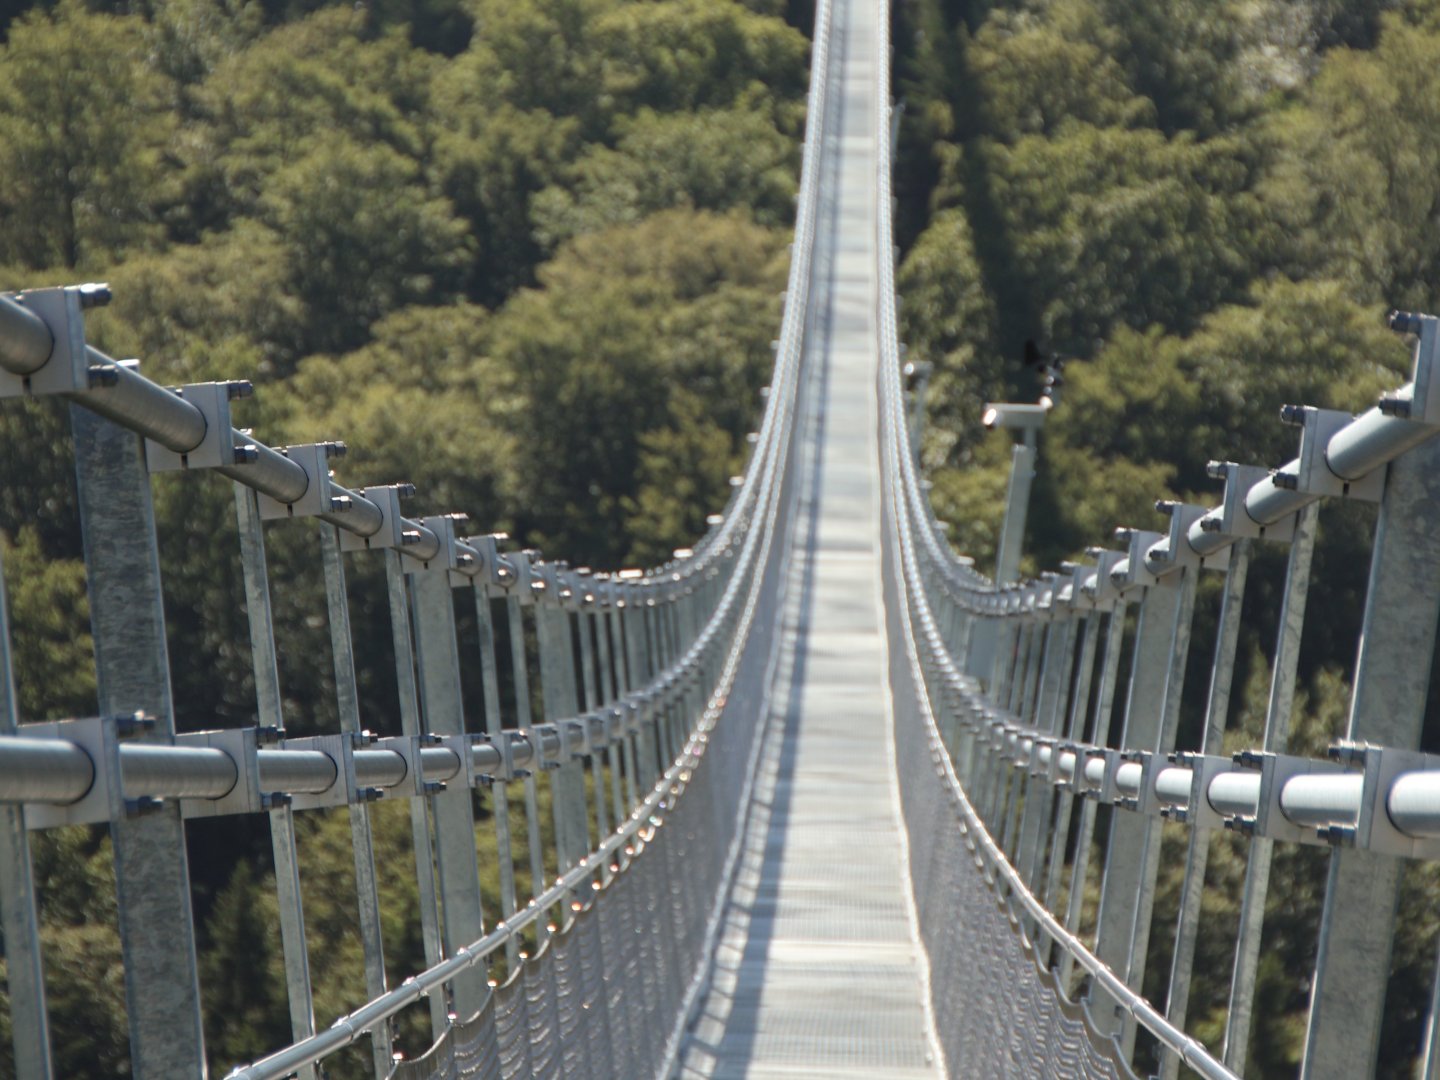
1374, 830
314, 459
100, 738
497, 573
1059, 779
1147, 800
1423, 405
1314, 476
217, 449
1233, 519
504, 744
68, 369
1203, 769
1178, 552
391, 533
1037, 767
242, 746
562, 754
1138, 541
409, 747
340, 749
1276, 770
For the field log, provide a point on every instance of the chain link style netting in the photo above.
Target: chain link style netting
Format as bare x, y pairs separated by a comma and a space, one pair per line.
997, 1014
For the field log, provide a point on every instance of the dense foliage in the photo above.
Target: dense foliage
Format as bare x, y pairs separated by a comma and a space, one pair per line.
1208, 205
526, 254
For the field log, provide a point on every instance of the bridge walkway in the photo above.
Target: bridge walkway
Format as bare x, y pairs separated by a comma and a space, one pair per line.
819, 971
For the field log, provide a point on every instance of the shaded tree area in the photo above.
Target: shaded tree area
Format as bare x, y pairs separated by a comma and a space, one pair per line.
1209, 205
526, 254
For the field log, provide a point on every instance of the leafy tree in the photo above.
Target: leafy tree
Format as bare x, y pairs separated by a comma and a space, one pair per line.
362, 237
715, 159
84, 127
682, 297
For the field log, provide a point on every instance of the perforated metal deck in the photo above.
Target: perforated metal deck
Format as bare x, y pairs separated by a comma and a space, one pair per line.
819, 972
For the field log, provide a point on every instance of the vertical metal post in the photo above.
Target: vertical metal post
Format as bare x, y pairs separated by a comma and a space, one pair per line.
625, 686
592, 703
1387, 707
1277, 735
1020, 672
1017, 505
127, 620
557, 687
525, 722
1222, 674
24, 960
367, 891
1120, 887
439, 662
1054, 683
495, 728
607, 691
282, 818
1073, 731
399, 598
1164, 742
1085, 833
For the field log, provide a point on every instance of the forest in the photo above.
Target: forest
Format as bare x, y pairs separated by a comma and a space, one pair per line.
1208, 207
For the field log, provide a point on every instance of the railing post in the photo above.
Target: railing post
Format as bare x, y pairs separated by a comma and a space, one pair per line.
398, 593
342, 649
127, 619
1121, 885
1054, 685
1222, 673
24, 960
1277, 734
1073, 731
439, 664
525, 719
601, 621
495, 728
1387, 707
282, 818
557, 681
621, 629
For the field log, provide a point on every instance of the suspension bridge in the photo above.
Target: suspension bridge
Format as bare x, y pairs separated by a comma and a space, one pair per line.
825, 799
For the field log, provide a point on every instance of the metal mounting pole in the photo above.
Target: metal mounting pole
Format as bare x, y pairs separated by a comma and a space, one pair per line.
24, 960
1121, 880
1277, 736
495, 728
1387, 707
282, 818
1222, 673
1075, 728
1017, 506
367, 892
420, 838
127, 619
1163, 743
439, 664
524, 721
607, 692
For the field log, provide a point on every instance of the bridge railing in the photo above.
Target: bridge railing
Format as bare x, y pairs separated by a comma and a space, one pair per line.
653, 682
1049, 772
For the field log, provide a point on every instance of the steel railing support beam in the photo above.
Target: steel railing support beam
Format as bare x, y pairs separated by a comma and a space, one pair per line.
1387, 708
132, 667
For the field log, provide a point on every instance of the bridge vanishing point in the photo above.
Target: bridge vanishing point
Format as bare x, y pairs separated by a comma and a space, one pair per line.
846, 796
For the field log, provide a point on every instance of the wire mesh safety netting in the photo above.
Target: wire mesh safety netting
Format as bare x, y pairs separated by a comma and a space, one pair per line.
607, 996
998, 1014
600, 998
